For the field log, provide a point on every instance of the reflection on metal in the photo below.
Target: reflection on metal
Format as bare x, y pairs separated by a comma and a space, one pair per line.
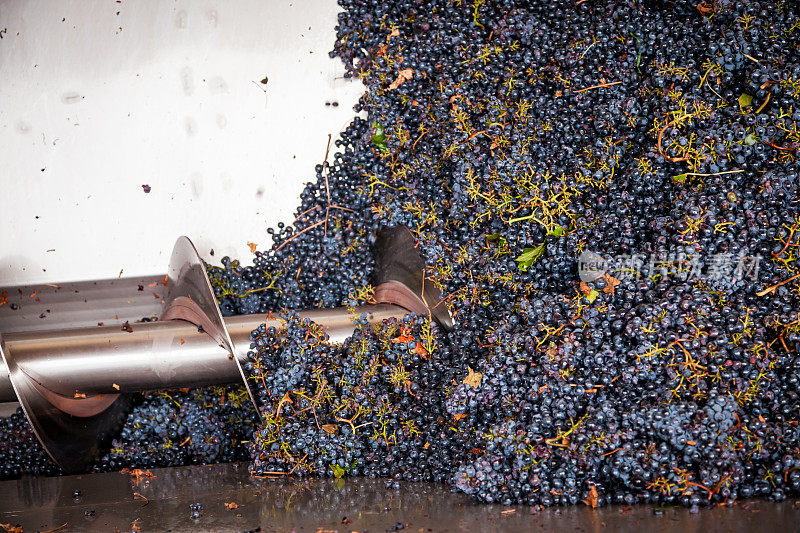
71, 441
73, 384
159, 355
400, 276
6, 389
190, 297
328, 504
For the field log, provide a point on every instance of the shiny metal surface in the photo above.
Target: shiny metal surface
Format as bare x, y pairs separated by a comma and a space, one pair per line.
337, 323
108, 360
73, 424
152, 355
117, 502
190, 297
72, 383
6, 389
71, 441
42, 307
189, 294
400, 276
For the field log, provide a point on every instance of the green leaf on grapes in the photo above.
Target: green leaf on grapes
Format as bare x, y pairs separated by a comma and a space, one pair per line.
379, 138
745, 100
529, 256
751, 139
557, 232
338, 471
592, 296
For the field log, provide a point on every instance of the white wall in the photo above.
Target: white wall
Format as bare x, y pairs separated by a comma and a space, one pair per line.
99, 98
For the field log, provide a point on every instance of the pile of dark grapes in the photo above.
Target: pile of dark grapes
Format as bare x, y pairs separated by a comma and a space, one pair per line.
167, 428
185, 427
371, 406
519, 141
20, 451
515, 140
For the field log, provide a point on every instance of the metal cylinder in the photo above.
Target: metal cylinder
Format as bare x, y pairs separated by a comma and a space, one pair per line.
74, 385
7, 393
76, 363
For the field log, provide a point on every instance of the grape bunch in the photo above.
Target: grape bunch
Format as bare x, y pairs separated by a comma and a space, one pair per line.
175, 428
20, 451
371, 406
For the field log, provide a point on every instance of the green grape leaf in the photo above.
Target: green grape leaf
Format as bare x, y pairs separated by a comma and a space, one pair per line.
529, 256
338, 471
745, 100
379, 137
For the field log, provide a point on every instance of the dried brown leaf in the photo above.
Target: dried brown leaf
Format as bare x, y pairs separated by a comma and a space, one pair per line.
402, 76
591, 499
611, 284
473, 379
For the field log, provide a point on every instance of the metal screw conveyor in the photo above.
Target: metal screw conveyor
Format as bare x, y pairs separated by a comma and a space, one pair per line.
74, 384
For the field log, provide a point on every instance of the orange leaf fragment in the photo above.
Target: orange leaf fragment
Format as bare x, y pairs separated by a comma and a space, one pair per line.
11, 529
165, 280
3, 298
473, 379
231, 505
137, 473
404, 336
459, 416
252, 246
182, 341
591, 499
426, 446
395, 33
59, 528
330, 429
611, 284
705, 8
585, 289
419, 349
402, 76
115, 386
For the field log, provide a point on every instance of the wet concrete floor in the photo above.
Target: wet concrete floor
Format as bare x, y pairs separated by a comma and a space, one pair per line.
234, 501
